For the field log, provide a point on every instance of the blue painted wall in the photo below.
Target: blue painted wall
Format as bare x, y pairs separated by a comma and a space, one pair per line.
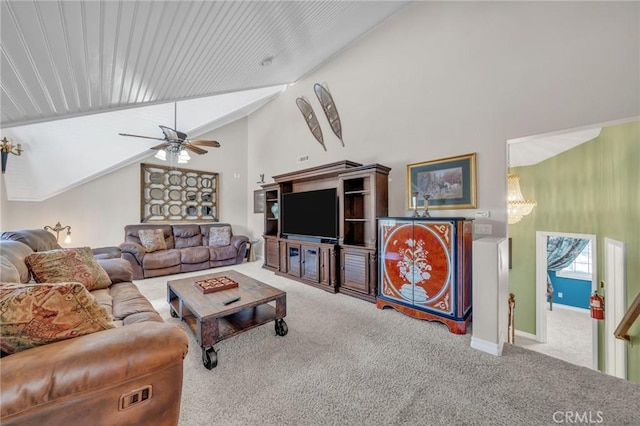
574, 292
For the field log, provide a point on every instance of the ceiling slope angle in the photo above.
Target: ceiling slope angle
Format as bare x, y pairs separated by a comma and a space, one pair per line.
535, 149
62, 154
72, 58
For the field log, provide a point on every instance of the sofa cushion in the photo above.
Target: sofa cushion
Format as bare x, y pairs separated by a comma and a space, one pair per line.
152, 239
128, 301
194, 254
119, 269
9, 273
131, 233
65, 265
142, 317
222, 253
38, 239
36, 314
187, 236
219, 236
15, 252
103, 297
161, 259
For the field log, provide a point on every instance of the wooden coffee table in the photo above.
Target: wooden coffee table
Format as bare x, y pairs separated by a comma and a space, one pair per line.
211, 321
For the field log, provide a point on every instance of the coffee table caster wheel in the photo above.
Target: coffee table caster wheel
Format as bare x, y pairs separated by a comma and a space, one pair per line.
209, 358
281, 327
173, 313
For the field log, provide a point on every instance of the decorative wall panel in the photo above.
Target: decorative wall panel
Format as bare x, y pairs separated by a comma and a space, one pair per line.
170, 194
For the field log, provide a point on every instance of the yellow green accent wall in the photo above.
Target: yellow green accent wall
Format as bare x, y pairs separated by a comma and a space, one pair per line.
593, 188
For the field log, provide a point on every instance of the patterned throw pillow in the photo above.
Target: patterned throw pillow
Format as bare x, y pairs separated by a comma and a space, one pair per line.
220, 236
152, 239
37, 314
68, 265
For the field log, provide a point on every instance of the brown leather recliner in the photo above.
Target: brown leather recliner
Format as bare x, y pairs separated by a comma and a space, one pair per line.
127, 375
187, 250
41, 240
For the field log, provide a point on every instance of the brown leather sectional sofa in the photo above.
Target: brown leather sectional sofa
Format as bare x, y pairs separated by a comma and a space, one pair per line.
187, 250
93, 379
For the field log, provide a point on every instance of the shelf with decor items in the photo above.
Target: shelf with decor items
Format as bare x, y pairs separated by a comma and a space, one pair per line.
363, 197
271, 198
271, 227
425, 268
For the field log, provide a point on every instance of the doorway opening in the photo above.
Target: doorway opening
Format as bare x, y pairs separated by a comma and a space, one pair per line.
559, 324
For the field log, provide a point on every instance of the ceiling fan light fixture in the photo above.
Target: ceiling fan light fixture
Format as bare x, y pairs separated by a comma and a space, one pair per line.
161, 155
184, 157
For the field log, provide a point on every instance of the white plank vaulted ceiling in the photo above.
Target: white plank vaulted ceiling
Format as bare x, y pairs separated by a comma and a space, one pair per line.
75, 73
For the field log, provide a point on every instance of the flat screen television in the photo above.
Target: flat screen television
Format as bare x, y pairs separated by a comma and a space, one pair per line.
310, 213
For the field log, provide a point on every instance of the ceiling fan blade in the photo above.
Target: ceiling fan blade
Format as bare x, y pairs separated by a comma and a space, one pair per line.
194, 149
213, 144
138, 136
161, 146
169, 133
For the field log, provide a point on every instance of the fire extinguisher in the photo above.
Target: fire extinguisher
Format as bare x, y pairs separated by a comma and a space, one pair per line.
596, 305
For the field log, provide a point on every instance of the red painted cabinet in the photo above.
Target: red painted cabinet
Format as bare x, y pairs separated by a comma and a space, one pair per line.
425, 268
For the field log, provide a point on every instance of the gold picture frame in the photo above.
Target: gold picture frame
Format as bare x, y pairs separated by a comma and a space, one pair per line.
449, 182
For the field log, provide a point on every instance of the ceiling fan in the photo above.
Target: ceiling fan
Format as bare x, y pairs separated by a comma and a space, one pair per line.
176, 142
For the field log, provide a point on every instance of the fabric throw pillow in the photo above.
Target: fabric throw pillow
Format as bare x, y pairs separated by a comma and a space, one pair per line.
68, 265
152, 239
37, 314
220, 236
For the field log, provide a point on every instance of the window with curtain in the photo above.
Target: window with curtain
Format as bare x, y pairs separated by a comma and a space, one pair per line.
581, 267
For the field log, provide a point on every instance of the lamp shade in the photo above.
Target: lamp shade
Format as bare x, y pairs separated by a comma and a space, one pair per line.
161, 155
517, 206
183, 157
185, 154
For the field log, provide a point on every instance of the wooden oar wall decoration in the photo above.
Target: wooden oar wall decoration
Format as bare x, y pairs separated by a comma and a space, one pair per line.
329, 107
311, 119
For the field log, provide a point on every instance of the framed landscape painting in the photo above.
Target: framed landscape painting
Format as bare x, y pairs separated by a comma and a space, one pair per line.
449, 182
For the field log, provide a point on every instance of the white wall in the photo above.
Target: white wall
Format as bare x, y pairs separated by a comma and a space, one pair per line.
98, 210
437, 80
445, 79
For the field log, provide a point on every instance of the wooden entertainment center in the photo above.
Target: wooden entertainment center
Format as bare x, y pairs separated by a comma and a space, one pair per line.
348, 263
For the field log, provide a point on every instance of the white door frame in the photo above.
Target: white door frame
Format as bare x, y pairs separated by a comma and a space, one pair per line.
541, 286
615, 354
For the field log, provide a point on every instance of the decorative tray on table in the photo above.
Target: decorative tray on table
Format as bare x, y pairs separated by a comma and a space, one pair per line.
212, 285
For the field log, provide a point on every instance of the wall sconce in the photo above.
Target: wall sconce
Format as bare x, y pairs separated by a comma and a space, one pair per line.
57, 230
7, 147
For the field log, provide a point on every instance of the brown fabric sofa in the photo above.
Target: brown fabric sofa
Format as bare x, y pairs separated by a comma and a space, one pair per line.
92, 379
187, 250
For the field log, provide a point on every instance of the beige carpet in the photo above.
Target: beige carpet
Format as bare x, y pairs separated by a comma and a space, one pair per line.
568, 337
344, 362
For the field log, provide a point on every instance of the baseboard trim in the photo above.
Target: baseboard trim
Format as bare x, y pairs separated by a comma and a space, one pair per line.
570, 308
488, 347
527, 335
